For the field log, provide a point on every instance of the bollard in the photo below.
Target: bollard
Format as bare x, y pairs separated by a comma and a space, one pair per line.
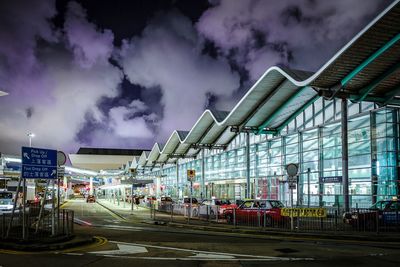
234, 217
336, 220
265, 219
377, 221
172, 212
72, 222
216, 214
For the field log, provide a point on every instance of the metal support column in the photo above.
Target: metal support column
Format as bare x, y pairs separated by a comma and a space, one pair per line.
248, 193
203, 172
374, 171
320, 167
178, 186
345, 156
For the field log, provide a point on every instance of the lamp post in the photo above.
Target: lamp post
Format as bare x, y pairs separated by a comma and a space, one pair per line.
30, 135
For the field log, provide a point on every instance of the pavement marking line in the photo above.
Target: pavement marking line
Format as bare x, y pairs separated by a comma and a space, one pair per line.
123, 249
81, 222
207, 252
115, 215
74, 254
64, 205
289, 238
208, 259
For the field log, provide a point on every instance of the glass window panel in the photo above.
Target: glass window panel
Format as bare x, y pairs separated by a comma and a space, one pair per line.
310, 156
312, 134
359, 148
332, 164
293, 158
310, 145
353, 109
293, 148
329, 111
299, 121
360, 161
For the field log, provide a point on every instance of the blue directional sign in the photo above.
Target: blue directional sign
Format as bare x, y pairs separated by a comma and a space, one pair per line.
39, 163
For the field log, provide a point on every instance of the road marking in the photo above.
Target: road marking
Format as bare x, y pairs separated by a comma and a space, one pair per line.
74, 254
217, 255
115, 215
100, 241
213, 259
122, 228
81, 222
211, 256
123, 249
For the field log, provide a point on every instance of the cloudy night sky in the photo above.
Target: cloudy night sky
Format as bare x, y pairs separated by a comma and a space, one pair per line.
125, 74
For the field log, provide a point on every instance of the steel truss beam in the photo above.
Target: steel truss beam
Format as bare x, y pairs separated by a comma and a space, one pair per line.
208, 146
363, 65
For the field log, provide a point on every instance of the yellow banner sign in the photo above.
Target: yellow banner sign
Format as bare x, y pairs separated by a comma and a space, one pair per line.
304, 212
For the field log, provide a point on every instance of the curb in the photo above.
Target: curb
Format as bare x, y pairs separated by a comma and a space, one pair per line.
329, 236
36, 247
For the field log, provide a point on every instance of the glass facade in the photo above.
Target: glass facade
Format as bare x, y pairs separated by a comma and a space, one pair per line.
313, 140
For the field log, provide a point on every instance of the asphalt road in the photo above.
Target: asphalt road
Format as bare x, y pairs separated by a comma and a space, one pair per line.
130, 242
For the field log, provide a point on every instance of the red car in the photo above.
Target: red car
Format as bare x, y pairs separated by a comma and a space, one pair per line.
257, 212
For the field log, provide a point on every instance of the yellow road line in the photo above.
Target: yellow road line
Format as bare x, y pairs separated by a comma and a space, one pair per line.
100, 241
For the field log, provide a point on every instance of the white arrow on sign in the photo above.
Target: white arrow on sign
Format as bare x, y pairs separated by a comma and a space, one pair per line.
53, 173
123, 249
26, 155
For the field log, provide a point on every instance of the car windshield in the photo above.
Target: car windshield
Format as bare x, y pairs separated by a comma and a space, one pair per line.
6, 195
380, 205
5, 201
276, 204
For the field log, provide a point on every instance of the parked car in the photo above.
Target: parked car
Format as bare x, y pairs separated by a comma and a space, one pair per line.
6, 201
91, 199
220, 204
165, 203
186, 204
257, 212
383, 213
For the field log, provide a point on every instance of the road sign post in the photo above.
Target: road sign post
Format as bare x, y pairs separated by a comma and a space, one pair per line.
191, 176
39, 163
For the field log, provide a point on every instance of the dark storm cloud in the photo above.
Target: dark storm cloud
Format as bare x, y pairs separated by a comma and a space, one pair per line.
288, 32
29, 112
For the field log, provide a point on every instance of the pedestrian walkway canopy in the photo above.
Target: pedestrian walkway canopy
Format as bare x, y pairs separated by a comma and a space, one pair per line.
366, 69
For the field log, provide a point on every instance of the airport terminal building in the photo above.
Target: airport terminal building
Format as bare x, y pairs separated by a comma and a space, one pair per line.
340, 126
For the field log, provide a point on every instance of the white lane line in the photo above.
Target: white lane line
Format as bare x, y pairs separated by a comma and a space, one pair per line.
79, 221
74, 254
208, 252
213, 259
122, 249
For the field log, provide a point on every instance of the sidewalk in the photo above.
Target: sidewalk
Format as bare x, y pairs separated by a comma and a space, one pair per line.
142, 215
125, 211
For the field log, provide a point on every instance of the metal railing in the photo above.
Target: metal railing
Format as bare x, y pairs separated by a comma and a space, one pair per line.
12, 227
334, 219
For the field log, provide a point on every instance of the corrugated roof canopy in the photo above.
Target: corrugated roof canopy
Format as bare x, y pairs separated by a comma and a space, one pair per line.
367, 68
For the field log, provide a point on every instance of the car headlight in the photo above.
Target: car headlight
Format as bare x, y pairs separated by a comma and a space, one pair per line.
354, 216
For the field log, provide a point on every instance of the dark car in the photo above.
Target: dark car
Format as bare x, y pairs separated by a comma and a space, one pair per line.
91, 199
382, 213
257, 212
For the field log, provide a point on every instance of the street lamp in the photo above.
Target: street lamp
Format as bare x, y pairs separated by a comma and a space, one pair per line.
30, 135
